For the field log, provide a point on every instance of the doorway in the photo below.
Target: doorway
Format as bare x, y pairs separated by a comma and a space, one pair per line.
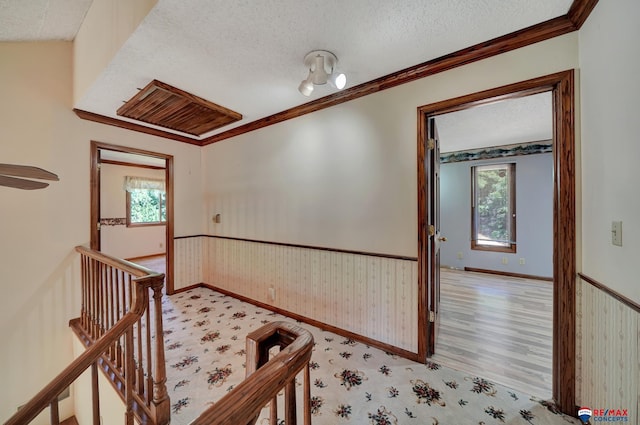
496, 203
122, 155
561, 86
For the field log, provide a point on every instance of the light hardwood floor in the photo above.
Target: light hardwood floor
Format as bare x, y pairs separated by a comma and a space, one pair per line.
497, 327
157, 263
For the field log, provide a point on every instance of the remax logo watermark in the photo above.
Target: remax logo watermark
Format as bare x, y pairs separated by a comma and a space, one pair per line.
585, 414
603, 415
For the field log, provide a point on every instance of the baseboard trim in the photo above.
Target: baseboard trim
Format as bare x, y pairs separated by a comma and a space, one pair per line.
339, 331
520, 275
187, 288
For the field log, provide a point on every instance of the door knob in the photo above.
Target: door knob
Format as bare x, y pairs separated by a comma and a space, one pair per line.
442, 239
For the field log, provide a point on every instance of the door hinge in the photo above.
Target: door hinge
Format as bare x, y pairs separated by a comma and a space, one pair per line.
98, 226
432, 230
432, 317
431, 144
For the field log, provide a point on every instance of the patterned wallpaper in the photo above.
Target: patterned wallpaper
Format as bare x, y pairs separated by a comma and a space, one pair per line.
372, 296
188, 261
113, 221
376, 297
608, 347
518, 149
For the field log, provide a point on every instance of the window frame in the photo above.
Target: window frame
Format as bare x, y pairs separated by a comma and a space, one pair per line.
511, 247
149, 223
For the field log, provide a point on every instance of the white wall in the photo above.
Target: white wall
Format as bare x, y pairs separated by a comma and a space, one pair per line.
105, 28
608, 331
38, 229
119, 240
112, 408
609, 70
345, 177
534, 217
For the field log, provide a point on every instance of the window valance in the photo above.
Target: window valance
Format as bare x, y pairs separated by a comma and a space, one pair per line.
132, 183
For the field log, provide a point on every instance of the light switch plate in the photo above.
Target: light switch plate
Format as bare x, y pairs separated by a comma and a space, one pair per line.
616, 233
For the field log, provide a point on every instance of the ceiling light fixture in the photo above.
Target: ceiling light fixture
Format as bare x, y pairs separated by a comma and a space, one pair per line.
322, 69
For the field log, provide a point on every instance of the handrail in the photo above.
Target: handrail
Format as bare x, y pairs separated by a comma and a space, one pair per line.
49, 393
107, 283
266, 378
127, 266
117, 317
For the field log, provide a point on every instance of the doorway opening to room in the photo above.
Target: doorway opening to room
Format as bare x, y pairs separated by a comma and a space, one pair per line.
132, 206
560, 88
496, 278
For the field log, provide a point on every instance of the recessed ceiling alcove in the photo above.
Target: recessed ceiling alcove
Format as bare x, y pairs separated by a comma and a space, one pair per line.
169, 107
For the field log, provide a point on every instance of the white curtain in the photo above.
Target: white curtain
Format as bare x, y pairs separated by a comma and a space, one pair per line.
132, 183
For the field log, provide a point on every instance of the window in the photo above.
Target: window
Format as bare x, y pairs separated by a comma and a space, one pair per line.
493, 207
146, 202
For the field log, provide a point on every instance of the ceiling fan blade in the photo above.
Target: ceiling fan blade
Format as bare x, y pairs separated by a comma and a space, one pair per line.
27, 171
21, 183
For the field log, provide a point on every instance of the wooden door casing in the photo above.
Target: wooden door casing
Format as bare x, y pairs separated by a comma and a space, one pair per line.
432, 170
562, 87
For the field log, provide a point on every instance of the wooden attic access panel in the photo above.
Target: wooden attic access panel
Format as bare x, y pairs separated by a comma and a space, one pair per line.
169, 107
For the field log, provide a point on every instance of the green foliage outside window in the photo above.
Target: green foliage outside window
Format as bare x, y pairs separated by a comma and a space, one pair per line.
147, 206
493, 205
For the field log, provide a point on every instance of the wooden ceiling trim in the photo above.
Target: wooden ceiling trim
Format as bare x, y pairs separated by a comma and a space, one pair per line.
515, 40
580, 11
102, 119
572, 21
130, 164
167, 106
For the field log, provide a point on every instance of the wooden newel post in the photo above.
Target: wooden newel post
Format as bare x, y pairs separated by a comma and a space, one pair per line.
160, 405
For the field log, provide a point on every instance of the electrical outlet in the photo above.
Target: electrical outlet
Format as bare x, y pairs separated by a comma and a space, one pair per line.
460, 255
272, 294
522, 262
505, 260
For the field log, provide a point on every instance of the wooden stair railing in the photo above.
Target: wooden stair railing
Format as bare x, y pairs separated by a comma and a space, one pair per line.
265, 378
124, 338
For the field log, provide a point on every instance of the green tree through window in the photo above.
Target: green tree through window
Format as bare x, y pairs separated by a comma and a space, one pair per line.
146, 207
493, 207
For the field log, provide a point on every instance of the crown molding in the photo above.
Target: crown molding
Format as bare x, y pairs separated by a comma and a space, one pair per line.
103, 119
572, 21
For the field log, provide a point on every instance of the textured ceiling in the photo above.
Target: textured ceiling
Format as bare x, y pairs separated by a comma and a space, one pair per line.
36, 20
247, 55
522, 120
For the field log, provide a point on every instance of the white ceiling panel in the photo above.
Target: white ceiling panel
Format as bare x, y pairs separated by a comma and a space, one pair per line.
39, 20
521, 120
248, 55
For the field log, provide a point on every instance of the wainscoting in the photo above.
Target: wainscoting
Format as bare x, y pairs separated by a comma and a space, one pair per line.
376, 297
609, 344
369, 295
189, 261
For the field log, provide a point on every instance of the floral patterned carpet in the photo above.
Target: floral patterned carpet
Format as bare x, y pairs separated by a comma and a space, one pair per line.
352, 383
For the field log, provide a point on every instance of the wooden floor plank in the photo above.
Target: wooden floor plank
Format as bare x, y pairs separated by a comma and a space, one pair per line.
497, 327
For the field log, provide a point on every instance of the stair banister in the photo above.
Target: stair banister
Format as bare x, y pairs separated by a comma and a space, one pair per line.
265, 378
49, 394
